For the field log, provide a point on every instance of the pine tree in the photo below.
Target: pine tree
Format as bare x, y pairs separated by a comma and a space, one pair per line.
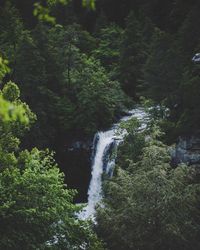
133, 55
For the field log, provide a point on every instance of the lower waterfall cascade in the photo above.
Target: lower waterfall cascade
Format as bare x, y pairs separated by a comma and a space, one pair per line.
104, 144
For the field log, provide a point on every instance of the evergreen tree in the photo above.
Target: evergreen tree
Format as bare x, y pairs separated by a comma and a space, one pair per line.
133, 55
108, 51
11, 27
143, 204
36, 209
163, 69
189, 37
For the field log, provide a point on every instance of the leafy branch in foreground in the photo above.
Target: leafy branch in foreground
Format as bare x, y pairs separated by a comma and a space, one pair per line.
36, 208
10, 108
43, 13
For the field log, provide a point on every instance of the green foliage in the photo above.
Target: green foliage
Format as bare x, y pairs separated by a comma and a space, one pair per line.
11, 92
130, 149
59, 69
162, 69
96, 94
11, 27
10, 112
4, 69
16, 118
143, 204
43, 13
89, 3
73, 91
10, 109
36, 210
187, 115
170, 78
29, 76
133, 55
83, 39
188, 38
108, 51
16, 110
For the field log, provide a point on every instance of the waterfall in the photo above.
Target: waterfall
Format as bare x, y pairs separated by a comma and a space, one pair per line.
104, 144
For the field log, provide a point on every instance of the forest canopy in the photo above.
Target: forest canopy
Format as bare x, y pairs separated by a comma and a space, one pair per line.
71, 68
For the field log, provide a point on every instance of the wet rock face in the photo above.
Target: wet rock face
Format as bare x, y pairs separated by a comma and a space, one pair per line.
74, 161
187, 151
79, 145
107, 155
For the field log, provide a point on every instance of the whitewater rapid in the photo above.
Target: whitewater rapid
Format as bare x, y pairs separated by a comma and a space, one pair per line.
104, 144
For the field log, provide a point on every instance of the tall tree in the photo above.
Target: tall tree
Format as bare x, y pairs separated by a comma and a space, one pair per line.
133, 55
143, 204
163, 68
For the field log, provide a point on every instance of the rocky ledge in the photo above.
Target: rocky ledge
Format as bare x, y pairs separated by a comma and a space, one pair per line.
187, 150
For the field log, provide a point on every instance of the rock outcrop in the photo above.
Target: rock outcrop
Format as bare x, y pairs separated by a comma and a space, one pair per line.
187, 151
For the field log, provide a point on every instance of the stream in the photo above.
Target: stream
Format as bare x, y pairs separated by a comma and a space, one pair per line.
104, 144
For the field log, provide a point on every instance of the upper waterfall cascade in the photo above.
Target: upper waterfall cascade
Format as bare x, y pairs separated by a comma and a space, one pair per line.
103, 145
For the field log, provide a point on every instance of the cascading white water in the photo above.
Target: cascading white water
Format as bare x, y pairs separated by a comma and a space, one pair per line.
103, 143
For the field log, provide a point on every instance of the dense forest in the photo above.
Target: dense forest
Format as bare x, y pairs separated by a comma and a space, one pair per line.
71, 68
